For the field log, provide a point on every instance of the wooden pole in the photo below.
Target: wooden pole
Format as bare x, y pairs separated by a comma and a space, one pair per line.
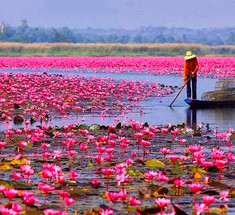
180, 91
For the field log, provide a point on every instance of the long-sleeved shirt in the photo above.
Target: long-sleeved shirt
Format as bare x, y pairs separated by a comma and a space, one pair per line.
190, 68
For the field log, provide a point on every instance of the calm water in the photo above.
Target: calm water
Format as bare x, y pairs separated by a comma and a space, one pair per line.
155, 112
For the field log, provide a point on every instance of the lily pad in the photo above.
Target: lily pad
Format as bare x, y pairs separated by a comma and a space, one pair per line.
34, 212
19, 185
94, 127
178, 171
154, 163
5, 183
83, 126
213, 169
5, 167
148, 210
19, 161
133, 172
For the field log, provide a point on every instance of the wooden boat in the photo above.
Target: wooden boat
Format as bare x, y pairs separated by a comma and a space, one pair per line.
209, 104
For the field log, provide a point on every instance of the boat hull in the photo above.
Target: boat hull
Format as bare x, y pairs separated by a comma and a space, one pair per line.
209, 104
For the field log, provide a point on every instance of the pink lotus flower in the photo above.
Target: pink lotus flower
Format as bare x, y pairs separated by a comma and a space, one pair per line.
23, 144
122, 195
46, 189
16, 207
206, 164
230, 157
45, 145
63, 193
224, 196
2, 188
95, 182
138, 135
178, 184
10, 193
150, 175
208, 200
199, 156
201, 208
164, 151
161, 177
195, 187
73, 175
83, 147
173, 159
122, 178
164, 130
106, 212
69, 201
220, 164
53, 212
2, 144
112, 196
46, 155
162, 202
6, 211
30, 200
107, 172
133, 201
71, 153
182, 140
57, 154
16, 175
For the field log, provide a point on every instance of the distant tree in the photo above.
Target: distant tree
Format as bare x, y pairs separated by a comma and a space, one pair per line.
7, 33
184, 38
70, 37
112, 38
160, 39
170, 39
124, 39
138, 39
56, 36
79, 38
231, 38
203, 41
24, 26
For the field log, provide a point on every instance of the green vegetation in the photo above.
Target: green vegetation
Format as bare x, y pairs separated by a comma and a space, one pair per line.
206, 36
80, 49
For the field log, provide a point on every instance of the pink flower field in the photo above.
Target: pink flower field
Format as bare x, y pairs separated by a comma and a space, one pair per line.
209, 66
127, 167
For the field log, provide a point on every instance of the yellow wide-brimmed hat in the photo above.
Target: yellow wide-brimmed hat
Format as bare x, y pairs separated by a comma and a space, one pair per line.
189, 55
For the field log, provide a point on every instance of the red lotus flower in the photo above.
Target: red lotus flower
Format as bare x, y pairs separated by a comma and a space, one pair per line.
133, 201
10, 192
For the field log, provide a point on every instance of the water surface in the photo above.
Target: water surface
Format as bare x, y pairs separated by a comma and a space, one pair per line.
156, 112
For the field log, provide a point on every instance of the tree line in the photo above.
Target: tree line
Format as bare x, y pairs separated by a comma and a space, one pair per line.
27, 34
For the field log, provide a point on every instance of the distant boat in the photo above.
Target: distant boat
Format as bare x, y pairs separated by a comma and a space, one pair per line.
209, 104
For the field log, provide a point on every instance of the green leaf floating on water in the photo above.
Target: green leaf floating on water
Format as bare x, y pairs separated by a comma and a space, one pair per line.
22, 161
133, 172
33, 212
197, 169
89, 165
20, 185
83, 126
232, 137
178, 171
5, 183
154, 163
94, 127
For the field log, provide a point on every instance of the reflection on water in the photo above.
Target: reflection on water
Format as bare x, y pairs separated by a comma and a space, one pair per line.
154, 112
191, 117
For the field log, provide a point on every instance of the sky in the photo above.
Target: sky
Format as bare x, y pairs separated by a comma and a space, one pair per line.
128, 14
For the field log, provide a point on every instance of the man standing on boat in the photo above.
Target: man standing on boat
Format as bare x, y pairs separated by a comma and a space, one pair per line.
190, 74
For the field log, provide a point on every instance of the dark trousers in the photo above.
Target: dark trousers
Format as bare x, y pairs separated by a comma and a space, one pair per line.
193, 82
